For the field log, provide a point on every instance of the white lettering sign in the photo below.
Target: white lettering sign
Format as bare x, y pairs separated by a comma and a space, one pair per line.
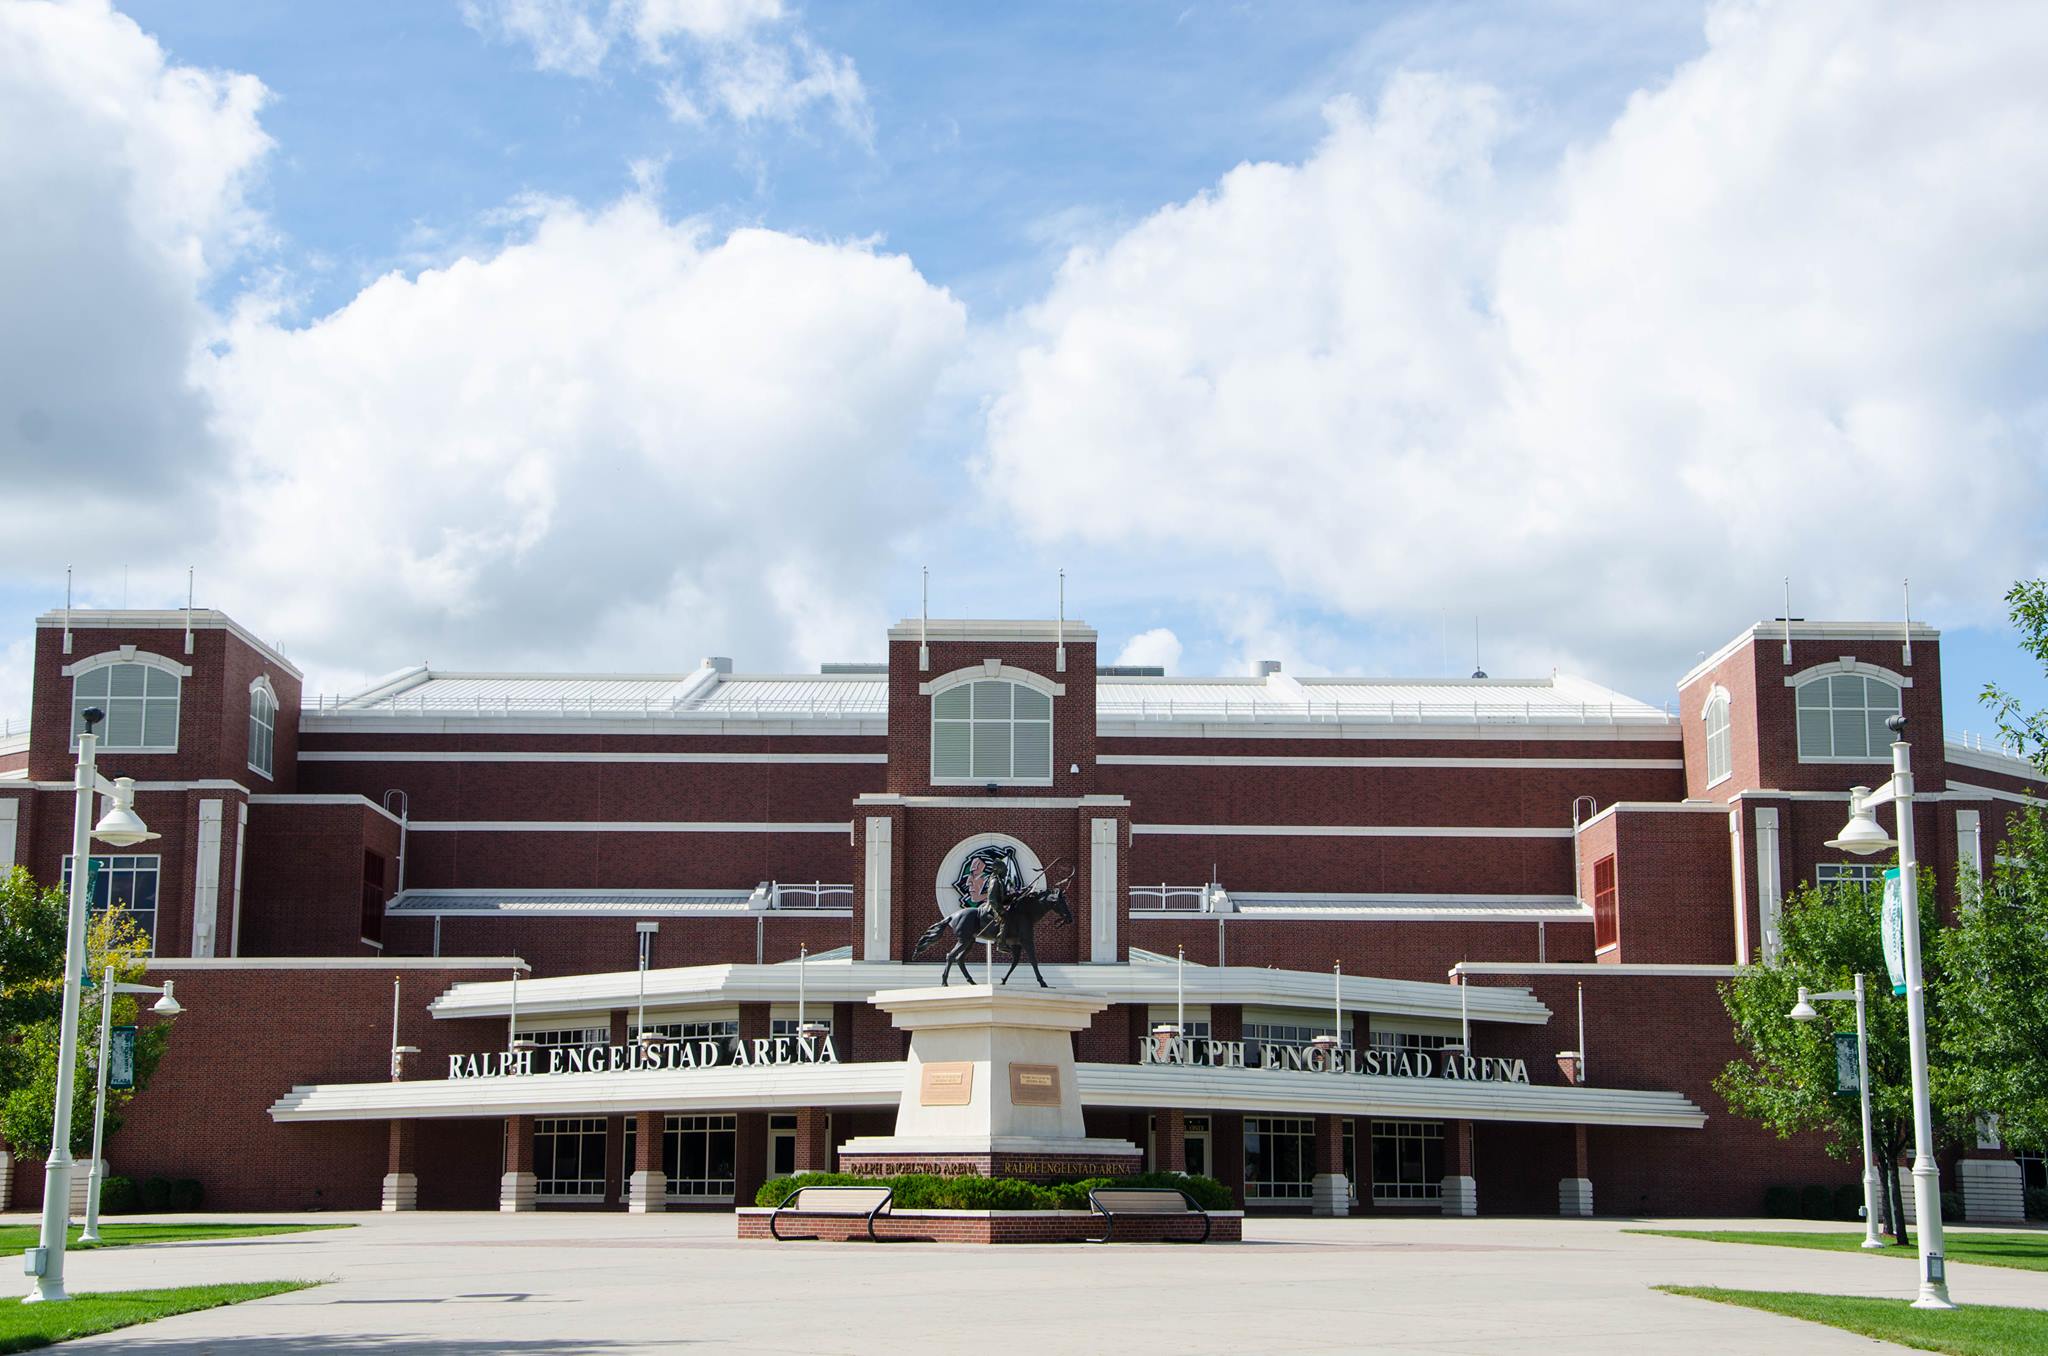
1372, 1062
701, 1054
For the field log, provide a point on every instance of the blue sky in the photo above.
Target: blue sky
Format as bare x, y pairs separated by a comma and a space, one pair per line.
1516, 300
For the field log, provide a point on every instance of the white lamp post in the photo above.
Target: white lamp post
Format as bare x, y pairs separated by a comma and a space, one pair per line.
166, 1006
1863, 835
807, 1031
1802, 1011
120, 827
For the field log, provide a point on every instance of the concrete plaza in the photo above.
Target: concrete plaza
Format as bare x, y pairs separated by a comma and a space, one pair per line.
610, 1285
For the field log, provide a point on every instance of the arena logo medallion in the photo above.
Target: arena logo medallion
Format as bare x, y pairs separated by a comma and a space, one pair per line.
978, 871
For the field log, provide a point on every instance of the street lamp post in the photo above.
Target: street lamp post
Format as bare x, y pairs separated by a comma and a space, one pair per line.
1802, 1011
166, 1006
119, 827
1863, 835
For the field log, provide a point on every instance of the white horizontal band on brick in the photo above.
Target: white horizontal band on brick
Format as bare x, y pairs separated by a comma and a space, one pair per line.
619, 826
1110, 727
1307, 761
1588, 968
498, 963
1966, 791
522, 756
382, 721
347, 798
1344, 831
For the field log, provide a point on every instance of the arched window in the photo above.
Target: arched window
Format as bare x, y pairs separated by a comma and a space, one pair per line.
1842, 716
140, 697
1719, 759
262, 726
992, 730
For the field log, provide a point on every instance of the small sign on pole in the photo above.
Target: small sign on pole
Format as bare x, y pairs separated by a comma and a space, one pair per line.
121, 1057
1846, 1080
1894, 928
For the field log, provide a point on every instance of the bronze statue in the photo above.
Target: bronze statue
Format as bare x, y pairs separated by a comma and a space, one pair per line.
1008, 921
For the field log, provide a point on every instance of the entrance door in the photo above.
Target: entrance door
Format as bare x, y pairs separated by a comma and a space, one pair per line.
1197, 1146
781, 1145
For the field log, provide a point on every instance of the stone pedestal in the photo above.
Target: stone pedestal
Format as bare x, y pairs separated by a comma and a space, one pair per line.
81, 1184
6, 1179
1330, 1194
647, 1184
1461, 1195
516, 1192
401, 1192
1575, 1196
989, 1089
646, 1193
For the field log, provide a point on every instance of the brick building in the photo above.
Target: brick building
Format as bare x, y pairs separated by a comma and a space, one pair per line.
595, 903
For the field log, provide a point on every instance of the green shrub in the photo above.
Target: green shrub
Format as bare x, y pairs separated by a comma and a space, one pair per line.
155, 1195
118, 1196
1848, 1201
1816, 1202
2037, 1203
186, 1194
923, 1191
1781, 1202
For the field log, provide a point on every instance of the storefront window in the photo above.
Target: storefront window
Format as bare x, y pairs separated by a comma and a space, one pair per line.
1407, 1162
698, 1153
1296, 1034
781, 1145
128, 881
568, 1158
1279, 1158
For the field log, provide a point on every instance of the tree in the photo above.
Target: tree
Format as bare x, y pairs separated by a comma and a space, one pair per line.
2027, 602
1995, 1043
29, 1075
1787, 1078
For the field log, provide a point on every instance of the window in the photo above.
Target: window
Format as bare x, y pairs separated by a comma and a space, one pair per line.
573, 1037
128, 881
781, 1146
1606, 906
373, 896
991, 730
1869, 875
568, 1158
141, 702
786, 1026
1298, 1034
697, 1154
1842, 716
1410, 1042
1719, 762
1279, 1158
262, 726
1407, 1162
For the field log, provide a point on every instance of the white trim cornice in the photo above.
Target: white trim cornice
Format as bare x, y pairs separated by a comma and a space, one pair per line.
620, 826
128, 654
992, 668
589, 756
1848, 663
1315, 761
1350, 831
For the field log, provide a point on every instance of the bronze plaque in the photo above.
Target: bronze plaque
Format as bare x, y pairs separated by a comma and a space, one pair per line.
946, 1084
1034, 1085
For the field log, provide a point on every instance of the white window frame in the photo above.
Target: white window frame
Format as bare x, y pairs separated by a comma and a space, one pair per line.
128, 654
1718, 701
582, 1188
994, 673
1301, 1129
108, 860
1844, 667
263, 718
1869, 875
1401, 1191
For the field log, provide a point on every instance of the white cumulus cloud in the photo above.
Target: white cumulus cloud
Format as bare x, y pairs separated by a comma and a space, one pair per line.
1158, 646
1784, 316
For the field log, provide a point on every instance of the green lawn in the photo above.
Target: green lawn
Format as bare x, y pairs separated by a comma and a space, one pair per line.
26, 1326
2029, 1252
14, 1238
1974, 1330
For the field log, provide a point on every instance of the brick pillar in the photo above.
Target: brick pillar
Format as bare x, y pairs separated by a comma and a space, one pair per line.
1460, 1187
1575, 1193
1170, 1140
813, 1140
647, 1188
1330, 1192
1226, 1145
750, 1152
516, 1189
401, 1181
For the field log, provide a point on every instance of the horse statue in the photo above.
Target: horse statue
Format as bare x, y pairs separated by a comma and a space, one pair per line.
1008, 922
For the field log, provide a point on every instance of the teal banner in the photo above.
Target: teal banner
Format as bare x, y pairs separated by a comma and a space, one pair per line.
121, 1057
1847, 1076
1894, 931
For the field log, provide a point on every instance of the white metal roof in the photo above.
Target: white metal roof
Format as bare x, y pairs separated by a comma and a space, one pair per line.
709, 695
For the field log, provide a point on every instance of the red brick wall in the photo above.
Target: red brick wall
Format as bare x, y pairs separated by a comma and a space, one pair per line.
302, 879
1073, 716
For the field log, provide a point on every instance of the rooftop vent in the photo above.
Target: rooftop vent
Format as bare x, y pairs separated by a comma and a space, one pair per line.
1265, 668
1130, 670
853, 668
719, 662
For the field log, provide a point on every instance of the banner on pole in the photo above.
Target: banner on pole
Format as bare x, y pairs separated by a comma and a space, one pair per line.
1894, 927
121, 1057
1846, 1079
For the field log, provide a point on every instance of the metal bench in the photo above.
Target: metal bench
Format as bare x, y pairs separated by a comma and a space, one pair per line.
834, 1202
1154, 1202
